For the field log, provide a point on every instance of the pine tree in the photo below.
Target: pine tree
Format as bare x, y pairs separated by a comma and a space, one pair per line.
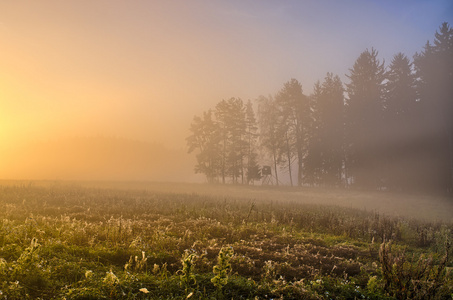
400, 124
364, 119
230, 115
221, 113
324, 163
313, 162
251, 136
434, 69
332, 129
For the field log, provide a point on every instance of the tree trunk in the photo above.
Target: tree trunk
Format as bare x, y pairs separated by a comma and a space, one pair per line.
288, 153
275, 168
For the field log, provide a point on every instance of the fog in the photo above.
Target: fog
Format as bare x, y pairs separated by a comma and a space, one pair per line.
99, 159
107, 90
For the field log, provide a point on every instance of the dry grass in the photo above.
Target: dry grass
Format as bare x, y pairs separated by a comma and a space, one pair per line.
117, 240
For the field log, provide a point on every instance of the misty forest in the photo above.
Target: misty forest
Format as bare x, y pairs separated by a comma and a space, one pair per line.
390, 127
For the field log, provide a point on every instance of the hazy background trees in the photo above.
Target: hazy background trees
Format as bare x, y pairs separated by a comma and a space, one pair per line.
324, 165
225, 140
389, 127
434, 71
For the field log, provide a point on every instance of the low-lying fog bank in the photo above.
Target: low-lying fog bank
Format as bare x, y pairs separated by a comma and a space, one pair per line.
425, 207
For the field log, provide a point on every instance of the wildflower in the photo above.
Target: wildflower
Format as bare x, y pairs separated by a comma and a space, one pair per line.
155, 269
111, 278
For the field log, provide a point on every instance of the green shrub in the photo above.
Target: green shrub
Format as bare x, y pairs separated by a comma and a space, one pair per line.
414, 278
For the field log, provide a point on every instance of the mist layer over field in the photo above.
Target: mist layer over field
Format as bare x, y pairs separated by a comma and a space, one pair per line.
421, 207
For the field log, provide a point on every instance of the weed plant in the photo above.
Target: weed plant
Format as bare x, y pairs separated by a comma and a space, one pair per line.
68, 242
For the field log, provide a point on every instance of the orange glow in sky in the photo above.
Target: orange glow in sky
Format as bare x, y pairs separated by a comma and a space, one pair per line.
141, 70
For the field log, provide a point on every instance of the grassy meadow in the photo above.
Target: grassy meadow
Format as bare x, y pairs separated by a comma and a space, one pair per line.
105, 240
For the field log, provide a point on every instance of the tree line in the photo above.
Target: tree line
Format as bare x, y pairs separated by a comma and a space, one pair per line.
389, 127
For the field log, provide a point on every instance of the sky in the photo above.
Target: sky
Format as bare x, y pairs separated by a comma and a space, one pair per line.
141, 70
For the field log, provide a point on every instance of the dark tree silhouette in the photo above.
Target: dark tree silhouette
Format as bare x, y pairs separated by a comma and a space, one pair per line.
364, 120
400, 124
434, 69
324, 163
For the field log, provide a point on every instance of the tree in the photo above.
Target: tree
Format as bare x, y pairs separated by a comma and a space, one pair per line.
221, 113
293, 106
230, 115
364, 110
324, 163
434, 70
251, 136
205, 139
314, 163
270, 139
331, 109
400, 124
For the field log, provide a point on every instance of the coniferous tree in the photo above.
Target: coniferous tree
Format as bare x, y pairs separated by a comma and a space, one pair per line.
230, 115
221, 114
251, 135
331, 109
400, 124
434, 69
324, 164
313, 162
238, 151
364, 111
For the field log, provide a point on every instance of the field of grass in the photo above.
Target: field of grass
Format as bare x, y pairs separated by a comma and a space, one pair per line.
188, 241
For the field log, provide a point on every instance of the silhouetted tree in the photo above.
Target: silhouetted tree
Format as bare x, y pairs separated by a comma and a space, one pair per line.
324, 163
364, 110
434, 69
400, 125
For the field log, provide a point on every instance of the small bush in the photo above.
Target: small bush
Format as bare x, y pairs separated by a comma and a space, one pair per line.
414, 278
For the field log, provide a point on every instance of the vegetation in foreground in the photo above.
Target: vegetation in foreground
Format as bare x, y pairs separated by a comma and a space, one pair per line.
87, 243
